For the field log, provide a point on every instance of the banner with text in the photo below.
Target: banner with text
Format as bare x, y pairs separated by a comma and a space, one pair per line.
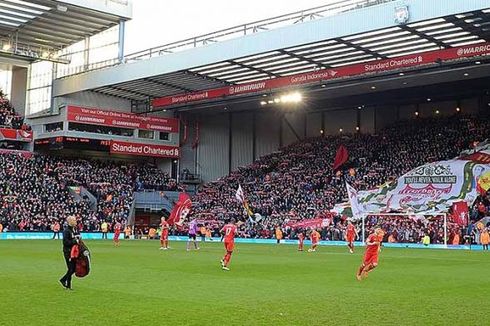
100, 117
427, 58
127, 148
432, 187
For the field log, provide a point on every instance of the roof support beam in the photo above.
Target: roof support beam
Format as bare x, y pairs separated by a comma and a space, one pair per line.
108, 94
188, 72
180, 88
413, 31
469, 27
128, 91
300, 57
270, 74
360, 48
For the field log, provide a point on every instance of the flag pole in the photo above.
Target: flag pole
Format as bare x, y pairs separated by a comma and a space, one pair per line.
445, 229
363, 228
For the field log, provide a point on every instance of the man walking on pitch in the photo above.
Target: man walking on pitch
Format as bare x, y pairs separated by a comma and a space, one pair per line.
370, 260
164, 235
70, 238
350, 236
228, 231
192, 235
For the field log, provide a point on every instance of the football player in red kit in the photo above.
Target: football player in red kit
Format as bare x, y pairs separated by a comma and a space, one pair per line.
228, 231
350, 236
370, 260
301, 240
164, 234
117, 233
315, 238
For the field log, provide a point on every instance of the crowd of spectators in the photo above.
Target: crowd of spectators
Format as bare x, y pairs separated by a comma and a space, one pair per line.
295, 183
35, 191
8, 117
298, 181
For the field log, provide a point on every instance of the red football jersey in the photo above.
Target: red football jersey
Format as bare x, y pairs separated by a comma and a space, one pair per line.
230, 231
351, 231
315, 236
164, 225
372, 248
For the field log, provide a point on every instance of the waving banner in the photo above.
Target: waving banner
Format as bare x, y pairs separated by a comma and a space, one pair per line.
181, 209
430, 188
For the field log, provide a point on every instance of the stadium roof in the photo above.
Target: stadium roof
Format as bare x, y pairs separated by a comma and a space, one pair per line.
422, 36
42, 25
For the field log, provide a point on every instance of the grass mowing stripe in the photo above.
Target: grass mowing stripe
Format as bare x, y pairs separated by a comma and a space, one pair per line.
267, 284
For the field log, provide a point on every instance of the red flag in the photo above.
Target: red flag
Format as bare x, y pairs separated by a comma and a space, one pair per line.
181, 209
341, 157
460, 213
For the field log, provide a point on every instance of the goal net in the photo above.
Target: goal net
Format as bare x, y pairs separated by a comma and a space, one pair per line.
410, 228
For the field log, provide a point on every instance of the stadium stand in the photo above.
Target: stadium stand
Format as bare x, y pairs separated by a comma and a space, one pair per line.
298, 181
294, 183
35, 190
8, 117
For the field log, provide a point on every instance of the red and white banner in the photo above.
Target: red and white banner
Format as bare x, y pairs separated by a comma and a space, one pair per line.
427, 58
180, 210
127, 148
95, 116
312, 223
15, 134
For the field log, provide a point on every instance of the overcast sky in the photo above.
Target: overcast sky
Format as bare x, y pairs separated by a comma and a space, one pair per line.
157, 22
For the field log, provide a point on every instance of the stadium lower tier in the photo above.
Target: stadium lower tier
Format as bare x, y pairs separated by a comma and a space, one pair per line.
295, 183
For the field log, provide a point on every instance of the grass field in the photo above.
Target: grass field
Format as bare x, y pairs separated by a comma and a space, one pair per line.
137, 284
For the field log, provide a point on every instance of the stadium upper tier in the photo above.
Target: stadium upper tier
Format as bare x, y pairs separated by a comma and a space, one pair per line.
369, 34
38, 29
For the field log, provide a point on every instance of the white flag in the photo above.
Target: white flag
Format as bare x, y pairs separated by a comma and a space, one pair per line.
354, 203
239, 195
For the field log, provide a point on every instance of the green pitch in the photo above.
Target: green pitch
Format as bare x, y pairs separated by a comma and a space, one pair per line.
137, 284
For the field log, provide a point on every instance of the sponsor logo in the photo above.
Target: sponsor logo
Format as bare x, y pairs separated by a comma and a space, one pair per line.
428, 191
313, 76
481, 49
142, 149
89, 119
246, 88
126, 123
158, 127
393, 64
402, 15
190, 97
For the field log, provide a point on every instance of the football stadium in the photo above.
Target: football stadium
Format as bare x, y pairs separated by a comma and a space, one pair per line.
324, 166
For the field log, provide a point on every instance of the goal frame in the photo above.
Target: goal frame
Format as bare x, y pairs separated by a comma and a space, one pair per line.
365, 215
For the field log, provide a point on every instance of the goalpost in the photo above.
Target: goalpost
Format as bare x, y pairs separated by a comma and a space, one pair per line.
408, 216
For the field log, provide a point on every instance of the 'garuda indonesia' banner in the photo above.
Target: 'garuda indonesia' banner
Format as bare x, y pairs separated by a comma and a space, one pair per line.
429, 188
